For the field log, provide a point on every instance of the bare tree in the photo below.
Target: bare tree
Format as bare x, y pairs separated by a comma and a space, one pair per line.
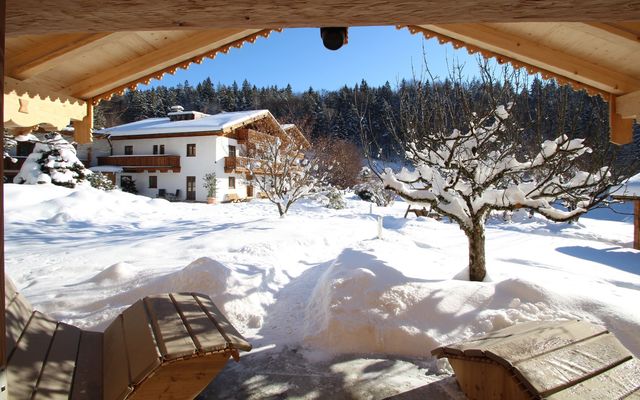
469, 158
282, 166
340, 160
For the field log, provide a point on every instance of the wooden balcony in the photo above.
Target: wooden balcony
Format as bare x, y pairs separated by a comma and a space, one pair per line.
141, 163
239, 165
250, 136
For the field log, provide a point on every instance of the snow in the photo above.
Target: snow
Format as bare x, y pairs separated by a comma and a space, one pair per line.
206, 123
319, 296
106, 168
631, 188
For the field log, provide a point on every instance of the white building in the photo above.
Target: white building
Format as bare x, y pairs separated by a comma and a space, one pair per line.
170, 156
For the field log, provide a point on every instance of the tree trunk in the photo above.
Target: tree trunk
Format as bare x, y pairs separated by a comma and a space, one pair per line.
281, 210
477, 267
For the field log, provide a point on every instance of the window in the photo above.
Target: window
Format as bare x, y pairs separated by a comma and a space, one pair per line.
128, 150
24, 148
232, 182
153, 182
191, 150
161, 149
155, 149
232, 151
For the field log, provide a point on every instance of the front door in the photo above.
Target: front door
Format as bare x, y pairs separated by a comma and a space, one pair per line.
250, 191
191, 187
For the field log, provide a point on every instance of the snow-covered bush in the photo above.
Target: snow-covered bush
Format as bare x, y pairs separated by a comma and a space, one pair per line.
53, 160
372, 190
335, 200
100, 181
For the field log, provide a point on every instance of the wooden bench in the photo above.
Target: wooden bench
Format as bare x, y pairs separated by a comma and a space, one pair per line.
545, 360
232, 198
162, 347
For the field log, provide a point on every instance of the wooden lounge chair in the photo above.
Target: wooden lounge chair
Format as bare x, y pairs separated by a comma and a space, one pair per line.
162, 347
545, 360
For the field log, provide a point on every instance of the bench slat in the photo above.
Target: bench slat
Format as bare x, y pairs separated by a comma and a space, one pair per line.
87, 381
57, 373
206, 334
115, 365
141, 347
561, 368
173, 338
10, 290
17, 316
542, 339
25, 364
617, 383
228, 331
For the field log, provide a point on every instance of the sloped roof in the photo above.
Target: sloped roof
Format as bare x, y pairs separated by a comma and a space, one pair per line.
222, 122
631, 188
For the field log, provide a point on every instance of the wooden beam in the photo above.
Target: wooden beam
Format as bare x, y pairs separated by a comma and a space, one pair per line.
628, 105
538, 55
3, 346
621, 128
27, 105
48, 54
56, 16
636, 224
82, 130
616, 31
167, 55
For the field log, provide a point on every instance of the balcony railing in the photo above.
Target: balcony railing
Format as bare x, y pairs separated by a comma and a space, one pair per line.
140, 163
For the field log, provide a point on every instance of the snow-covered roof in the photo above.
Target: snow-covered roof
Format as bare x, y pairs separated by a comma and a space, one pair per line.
106, 168
631, 188
207, 123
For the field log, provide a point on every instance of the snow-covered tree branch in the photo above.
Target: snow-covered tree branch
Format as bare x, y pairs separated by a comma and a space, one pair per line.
283, 168
471, 156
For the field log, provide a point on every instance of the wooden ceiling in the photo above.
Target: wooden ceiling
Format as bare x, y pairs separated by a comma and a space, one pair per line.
64, 16
78, 52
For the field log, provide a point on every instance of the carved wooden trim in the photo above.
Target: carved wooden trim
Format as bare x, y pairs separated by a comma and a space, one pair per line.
501, 59
182, 65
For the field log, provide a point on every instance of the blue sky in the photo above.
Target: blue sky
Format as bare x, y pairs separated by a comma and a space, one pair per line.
297, 57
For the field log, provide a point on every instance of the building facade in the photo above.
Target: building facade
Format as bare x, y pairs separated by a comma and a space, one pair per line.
169, 157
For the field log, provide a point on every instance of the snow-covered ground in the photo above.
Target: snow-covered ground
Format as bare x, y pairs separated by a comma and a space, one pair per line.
316, 290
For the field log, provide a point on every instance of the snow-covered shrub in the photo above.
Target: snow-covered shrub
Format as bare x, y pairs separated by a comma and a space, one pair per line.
99, 181
335, 200
53, 160
372, 190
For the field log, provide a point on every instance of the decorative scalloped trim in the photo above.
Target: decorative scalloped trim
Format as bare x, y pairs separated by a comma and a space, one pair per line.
182, 65
501, 59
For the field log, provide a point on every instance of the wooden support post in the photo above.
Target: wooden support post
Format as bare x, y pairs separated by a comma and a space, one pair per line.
621, 128
82, 129
3, 355
636, 225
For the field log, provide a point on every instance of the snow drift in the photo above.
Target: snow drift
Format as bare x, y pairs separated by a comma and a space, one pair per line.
362, 305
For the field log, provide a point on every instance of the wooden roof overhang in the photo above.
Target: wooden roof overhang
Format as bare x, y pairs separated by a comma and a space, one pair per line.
62, 57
